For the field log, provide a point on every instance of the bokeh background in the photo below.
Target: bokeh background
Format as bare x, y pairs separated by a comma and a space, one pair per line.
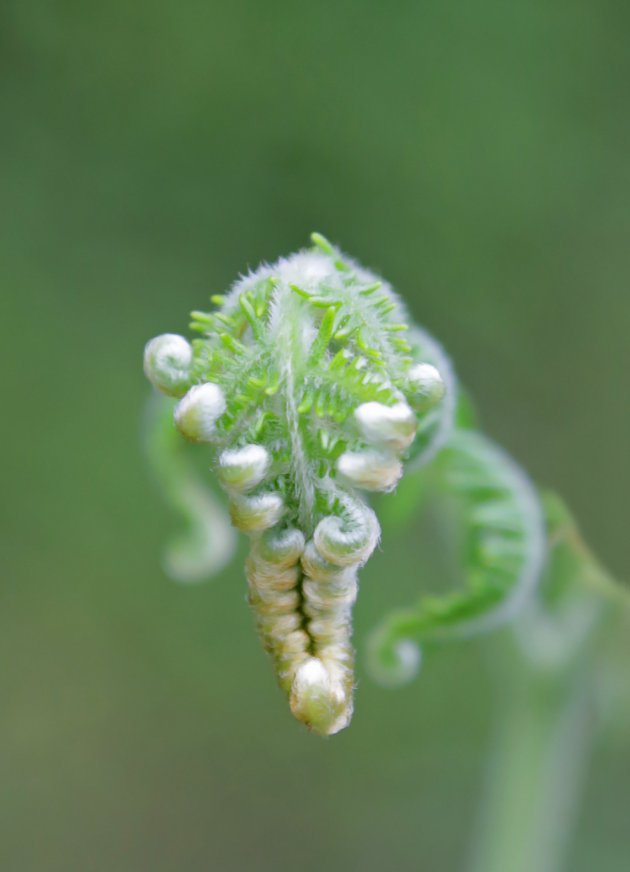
478, 155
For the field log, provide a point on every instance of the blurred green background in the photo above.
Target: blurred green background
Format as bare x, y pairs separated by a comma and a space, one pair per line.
478, 155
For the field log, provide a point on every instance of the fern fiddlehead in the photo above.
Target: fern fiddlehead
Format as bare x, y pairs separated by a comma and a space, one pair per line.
311, 389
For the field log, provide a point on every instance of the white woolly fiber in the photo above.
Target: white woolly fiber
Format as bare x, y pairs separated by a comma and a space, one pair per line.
167, 361
370, 470
392, 426
241, 469
197, 413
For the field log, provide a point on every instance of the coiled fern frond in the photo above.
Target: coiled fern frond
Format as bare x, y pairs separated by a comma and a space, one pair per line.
312, 388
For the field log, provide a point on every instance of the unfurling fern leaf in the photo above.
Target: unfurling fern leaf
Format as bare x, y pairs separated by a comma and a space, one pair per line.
504, 539
311, 387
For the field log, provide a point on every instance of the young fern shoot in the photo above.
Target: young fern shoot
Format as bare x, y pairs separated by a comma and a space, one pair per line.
312, 389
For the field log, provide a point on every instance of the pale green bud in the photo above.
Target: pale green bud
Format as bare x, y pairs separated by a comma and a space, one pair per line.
395, 662
387, 426
167, 361
196, 415
241, 469
370, 470
426, 386
252, 514
281, 548
350, 540
318, 698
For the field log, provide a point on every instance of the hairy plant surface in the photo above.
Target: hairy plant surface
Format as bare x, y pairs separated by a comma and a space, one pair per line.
313, 388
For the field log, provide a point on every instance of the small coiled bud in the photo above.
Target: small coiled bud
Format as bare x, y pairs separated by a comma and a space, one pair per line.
426, 386
370, 470
243, 468
349, 540
387, 426
252, 514
316, 566
198, 412
167, 361
282, 548
318, 698
394, 663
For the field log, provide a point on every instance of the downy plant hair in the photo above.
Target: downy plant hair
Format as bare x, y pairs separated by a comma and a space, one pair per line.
312, 389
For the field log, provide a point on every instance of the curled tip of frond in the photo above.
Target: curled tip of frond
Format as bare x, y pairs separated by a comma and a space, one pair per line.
370, 470
167, 362
254, 514
318, 698
387, 426
501, 521
197, 413
241, 469
348, 540
282, 548
394, 662
426, 386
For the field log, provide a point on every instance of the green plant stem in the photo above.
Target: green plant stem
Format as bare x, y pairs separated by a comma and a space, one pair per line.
536, 774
